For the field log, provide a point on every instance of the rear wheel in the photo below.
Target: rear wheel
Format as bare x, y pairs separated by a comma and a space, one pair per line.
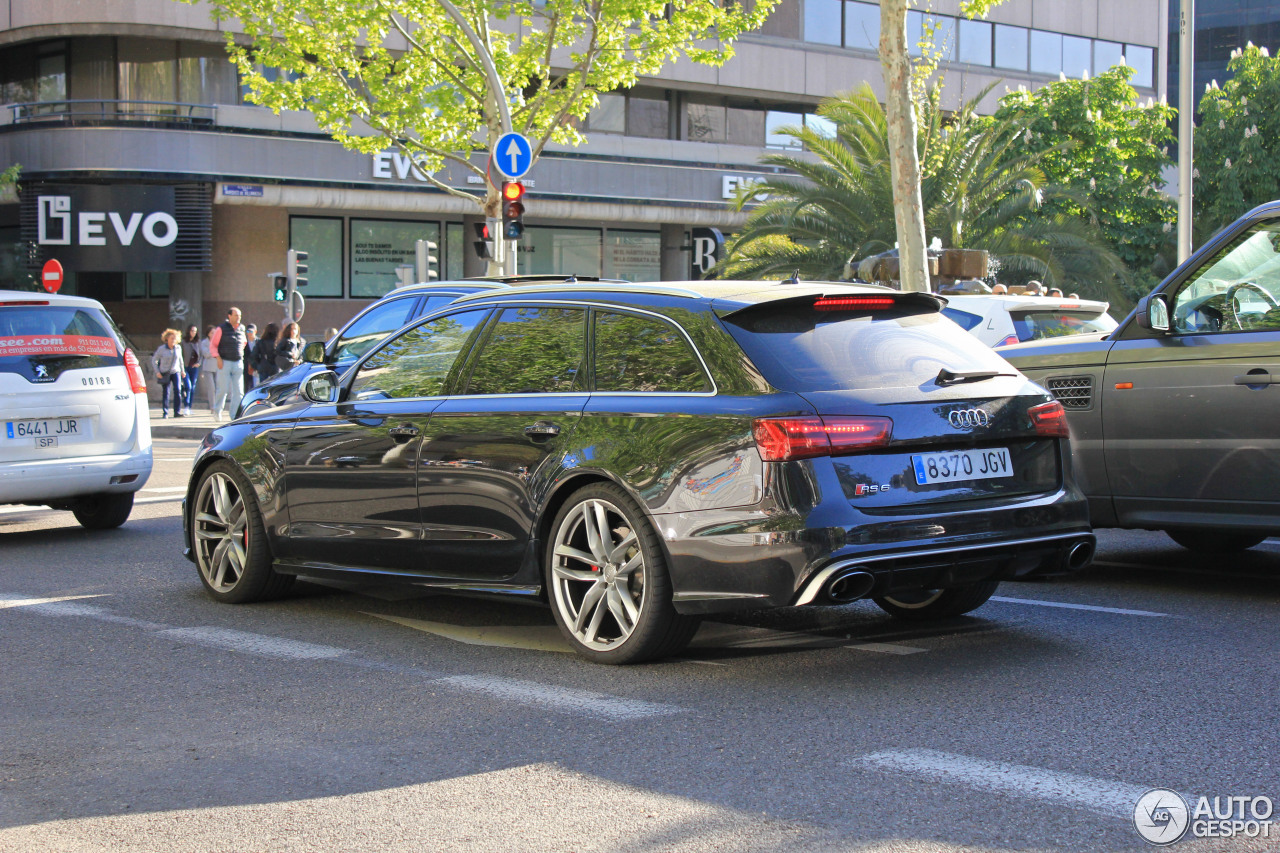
608, 583
102, 512
230, 540
927, 604
1215, 542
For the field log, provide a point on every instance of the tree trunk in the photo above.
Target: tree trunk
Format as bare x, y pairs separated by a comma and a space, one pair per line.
904, 162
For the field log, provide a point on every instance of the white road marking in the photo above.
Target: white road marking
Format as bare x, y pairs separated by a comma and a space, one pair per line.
887, 648
253, 644
166, 489
566, 699
1120, 610
27, 601
66, 606
699, 662
1113, 799
157, 499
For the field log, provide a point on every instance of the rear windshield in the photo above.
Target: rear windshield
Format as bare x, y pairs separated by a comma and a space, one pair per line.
800, 349
40, 341
1048, 323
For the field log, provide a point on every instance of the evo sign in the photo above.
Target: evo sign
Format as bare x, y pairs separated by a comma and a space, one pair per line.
108, 228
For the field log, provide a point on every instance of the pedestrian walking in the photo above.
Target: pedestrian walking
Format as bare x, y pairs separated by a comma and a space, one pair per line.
190, 365
209, 366
264, 353
167, 364
227, 343
289, 348
250, 368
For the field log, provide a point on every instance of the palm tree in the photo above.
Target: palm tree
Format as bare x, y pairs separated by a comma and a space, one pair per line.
980, 187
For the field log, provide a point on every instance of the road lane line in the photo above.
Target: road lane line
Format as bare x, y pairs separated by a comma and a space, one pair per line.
566, 699
253, 644
158, 499
1120, 610
1113, 799
887, 648
67, 605
164, 489
30, 601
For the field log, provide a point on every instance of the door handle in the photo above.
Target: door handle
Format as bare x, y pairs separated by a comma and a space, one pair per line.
1257, 376
403, 433
542, 428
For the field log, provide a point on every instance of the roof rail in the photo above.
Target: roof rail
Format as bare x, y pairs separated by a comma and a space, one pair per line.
588, 288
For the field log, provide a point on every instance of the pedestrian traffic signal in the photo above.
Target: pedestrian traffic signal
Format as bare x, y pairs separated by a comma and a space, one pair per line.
426, 264
297, 269
281, 283
512, 210
484, 241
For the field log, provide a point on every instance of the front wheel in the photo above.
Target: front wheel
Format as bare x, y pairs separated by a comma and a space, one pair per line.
103, 512
230, 540
928, 604
1215, 542
607, 579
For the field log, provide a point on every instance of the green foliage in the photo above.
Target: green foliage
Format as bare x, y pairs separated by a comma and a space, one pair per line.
1237, 155
1111, 165
377, 73
981, 188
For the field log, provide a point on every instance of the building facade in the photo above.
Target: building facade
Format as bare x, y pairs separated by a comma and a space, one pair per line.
1221, 26
168, 197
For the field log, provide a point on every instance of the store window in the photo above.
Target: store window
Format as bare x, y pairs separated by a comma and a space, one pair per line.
321, 239
633, 255
378, 247
822, 24
547, 250
1011, 47
974, 43
862, 26
146, 285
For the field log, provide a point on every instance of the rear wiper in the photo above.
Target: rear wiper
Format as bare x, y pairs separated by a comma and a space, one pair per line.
946, 377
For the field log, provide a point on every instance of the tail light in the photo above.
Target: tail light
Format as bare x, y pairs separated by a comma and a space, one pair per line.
1009, 339
785, 439
136, 380
853, 303
1049, 419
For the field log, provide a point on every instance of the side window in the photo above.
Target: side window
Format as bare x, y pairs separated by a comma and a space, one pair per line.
432, 304
419, 362
532, 351
963, 319
1237, 290
382, 318
638, 353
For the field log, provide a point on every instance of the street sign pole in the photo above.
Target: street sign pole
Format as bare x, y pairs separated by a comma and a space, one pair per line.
512, 155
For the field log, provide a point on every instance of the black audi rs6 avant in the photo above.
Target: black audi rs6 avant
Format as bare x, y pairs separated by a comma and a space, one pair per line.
641, 455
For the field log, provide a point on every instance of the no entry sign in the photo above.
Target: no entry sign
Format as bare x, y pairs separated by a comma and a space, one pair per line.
51, 276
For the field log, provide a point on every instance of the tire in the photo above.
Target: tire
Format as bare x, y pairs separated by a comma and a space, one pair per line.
1213, 541
611, 595
103, 512
230, 541
929, 604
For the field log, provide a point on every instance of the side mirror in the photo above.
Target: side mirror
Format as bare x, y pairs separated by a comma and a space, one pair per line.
321, 387
313, 353
1157, 313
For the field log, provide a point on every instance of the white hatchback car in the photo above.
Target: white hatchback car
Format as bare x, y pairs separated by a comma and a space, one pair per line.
75, 432
999, 320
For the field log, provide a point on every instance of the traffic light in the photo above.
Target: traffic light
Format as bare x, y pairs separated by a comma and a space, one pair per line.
281, 283
297, 269
512, 210
426, 264
484, 242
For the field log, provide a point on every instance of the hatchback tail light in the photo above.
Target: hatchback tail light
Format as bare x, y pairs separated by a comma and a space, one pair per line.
136, 380
1008, 339
785, 439
853, 303
1049, 419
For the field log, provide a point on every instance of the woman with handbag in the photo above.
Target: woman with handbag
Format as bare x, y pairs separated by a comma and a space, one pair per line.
191, 360
167, 363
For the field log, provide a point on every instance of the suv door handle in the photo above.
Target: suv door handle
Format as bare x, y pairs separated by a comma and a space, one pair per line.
542, 428
1257, 376
403, 433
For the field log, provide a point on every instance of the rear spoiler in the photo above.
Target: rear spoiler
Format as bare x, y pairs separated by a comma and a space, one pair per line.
868, 303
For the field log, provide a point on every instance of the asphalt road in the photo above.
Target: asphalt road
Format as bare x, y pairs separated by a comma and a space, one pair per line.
137, 714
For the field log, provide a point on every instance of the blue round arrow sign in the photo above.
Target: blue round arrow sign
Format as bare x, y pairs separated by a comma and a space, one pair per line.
513, 155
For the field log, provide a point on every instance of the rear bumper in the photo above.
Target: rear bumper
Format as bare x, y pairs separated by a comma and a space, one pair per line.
45, 481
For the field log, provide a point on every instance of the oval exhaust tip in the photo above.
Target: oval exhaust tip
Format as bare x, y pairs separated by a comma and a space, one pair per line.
850, 586
1079, 556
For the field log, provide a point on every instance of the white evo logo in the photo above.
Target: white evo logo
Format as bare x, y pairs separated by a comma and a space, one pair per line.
55, 225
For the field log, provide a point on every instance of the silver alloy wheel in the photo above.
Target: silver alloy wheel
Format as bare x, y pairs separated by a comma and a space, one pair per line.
221, 528
598, 574
916, 599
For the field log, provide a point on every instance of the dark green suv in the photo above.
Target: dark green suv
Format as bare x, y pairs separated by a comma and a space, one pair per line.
1173, 414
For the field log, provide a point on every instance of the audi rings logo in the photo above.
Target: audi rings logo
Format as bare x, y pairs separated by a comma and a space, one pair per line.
968, 418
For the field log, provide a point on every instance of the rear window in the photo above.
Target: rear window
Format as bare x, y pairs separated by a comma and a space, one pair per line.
41, 341
800, 349
1039, 324
963, 319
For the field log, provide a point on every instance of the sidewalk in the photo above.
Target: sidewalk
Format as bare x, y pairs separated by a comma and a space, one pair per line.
195, 425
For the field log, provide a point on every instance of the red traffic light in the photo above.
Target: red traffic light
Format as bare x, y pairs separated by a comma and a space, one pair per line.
512, 190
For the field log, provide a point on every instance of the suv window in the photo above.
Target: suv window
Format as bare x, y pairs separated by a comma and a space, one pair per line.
801, 349
532, 351
639, 353
53, 338
419, 362
373, 326
1055, 322
1237, 290
963, 319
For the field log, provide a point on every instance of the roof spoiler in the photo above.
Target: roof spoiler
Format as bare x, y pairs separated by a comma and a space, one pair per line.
868, 302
